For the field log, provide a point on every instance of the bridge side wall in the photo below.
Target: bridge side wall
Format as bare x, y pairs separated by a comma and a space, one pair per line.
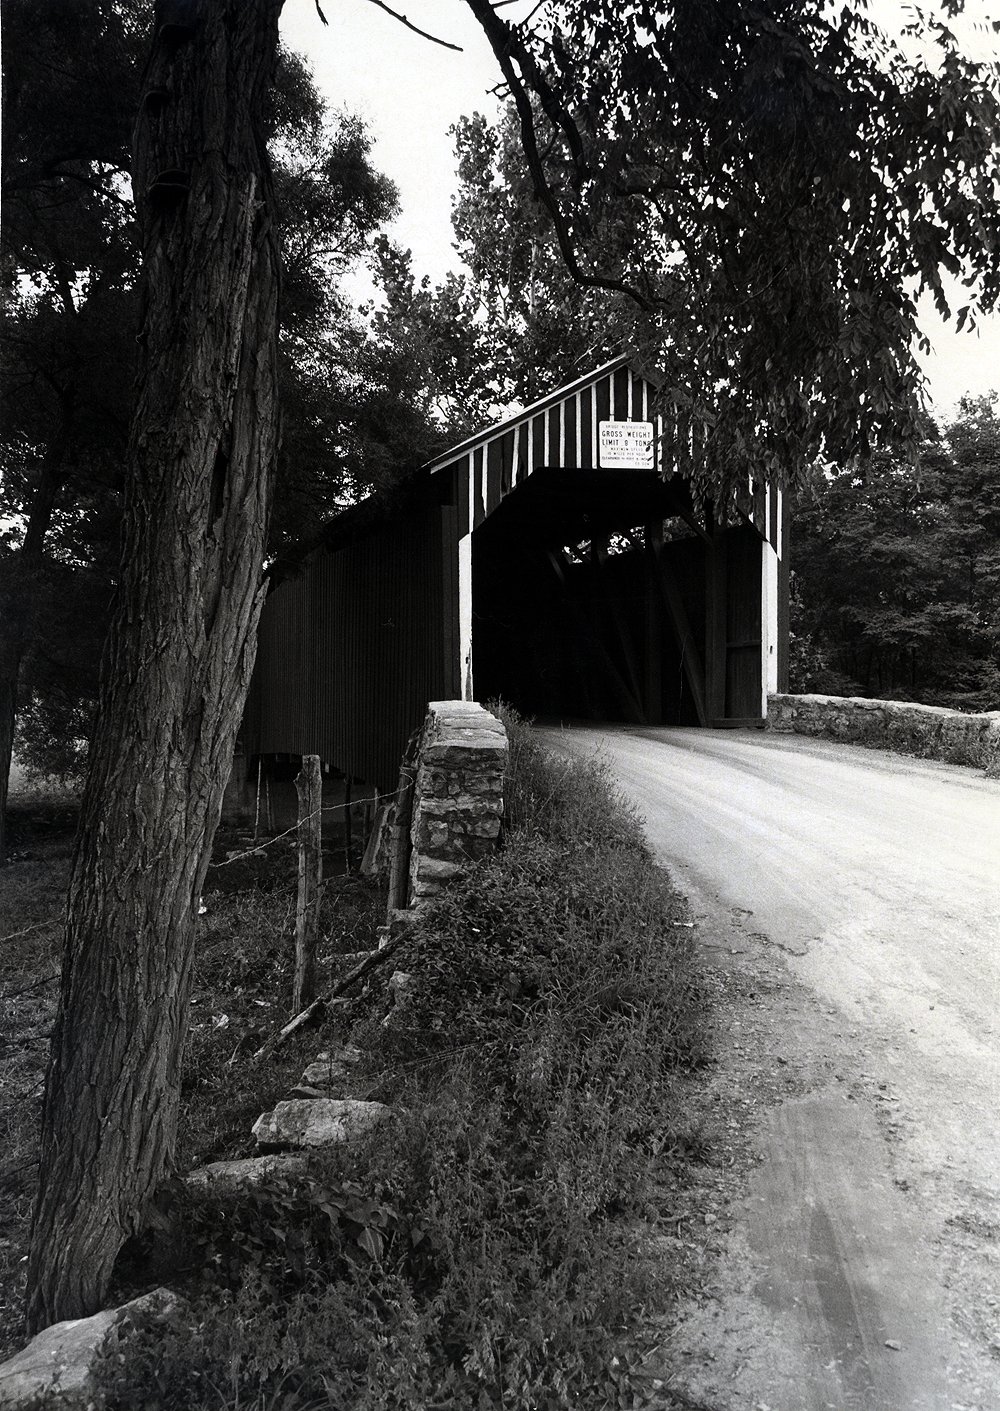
458, 793
930, 732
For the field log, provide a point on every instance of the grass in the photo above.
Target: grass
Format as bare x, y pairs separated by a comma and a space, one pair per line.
241, 992
488, 1248
32, 890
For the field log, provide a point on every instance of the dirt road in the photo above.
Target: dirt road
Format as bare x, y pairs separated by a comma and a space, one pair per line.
850, 902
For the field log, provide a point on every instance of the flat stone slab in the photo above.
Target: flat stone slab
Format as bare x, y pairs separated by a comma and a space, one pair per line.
249, 1171
319, 1121
328, 1070
54, 1370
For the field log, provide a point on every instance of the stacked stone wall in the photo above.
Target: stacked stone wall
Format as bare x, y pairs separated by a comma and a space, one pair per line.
458, 793
930, 732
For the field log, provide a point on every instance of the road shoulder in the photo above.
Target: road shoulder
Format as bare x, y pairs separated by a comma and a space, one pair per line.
823, 1280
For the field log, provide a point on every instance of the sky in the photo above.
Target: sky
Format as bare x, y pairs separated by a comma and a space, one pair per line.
410, 91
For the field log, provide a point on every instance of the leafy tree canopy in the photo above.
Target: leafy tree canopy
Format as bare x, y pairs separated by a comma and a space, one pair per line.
70, 260
897, 572
772, 182
514, 324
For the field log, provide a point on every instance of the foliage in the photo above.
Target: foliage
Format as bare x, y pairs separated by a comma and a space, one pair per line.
897, 573
69, 229
770, 183
70, 263
483, 1248
340, 1344
514, 324
353, 416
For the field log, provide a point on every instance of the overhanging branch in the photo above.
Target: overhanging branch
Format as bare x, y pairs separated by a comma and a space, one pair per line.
507, 45
422, 32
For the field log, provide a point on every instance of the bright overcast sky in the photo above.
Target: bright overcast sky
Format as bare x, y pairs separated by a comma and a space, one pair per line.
410, 92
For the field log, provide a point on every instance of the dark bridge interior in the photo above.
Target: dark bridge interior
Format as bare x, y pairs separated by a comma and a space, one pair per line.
580, 609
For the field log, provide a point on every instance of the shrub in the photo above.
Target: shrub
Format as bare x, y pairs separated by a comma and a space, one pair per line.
342, 1344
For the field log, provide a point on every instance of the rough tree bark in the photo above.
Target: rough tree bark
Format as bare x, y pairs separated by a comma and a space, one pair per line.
182, 642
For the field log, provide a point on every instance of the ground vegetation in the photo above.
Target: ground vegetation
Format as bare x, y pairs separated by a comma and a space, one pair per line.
492, 1243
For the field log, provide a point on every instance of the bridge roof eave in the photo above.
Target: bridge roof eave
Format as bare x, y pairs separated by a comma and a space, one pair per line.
552, 399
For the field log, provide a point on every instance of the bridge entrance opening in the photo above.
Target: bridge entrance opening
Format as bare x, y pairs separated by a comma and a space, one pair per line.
590, 600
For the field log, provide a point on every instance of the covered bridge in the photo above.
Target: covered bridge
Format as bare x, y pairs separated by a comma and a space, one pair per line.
556, 560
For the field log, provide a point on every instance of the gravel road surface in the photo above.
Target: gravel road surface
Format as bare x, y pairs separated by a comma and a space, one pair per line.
859, 1262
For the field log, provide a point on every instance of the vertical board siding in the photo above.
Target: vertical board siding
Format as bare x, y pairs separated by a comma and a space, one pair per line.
772, 518
640, 397
552, 437
494, 473
586, 448
478, 505
570, 436
602, 399
460, 493
744, 623
537, 442
564, 433
759, 514
352, 650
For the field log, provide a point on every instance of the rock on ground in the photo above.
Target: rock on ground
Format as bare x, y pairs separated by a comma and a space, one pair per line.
55, 1369
250, 1171
317, 1122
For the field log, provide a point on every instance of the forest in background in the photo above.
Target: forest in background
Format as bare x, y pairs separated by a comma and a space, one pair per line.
896, 572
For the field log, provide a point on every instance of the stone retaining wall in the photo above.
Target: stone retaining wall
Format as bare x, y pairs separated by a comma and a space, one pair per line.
458, 793
930, 732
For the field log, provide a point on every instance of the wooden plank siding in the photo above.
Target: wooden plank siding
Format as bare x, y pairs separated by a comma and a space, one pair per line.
350, 652
561, 430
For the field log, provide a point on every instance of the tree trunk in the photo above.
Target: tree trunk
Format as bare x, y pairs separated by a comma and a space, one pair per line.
181, 645
8, 716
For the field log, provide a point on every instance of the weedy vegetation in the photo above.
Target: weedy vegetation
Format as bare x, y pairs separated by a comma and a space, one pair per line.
32, 889
489, 1247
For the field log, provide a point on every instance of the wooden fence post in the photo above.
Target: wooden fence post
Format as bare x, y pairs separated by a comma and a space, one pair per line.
309, 787
399, 861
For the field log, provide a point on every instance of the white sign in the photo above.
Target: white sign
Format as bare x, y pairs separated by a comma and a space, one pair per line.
626, 445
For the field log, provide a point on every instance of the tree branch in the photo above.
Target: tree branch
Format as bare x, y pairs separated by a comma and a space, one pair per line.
505, 44
422, 32
311, 1011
